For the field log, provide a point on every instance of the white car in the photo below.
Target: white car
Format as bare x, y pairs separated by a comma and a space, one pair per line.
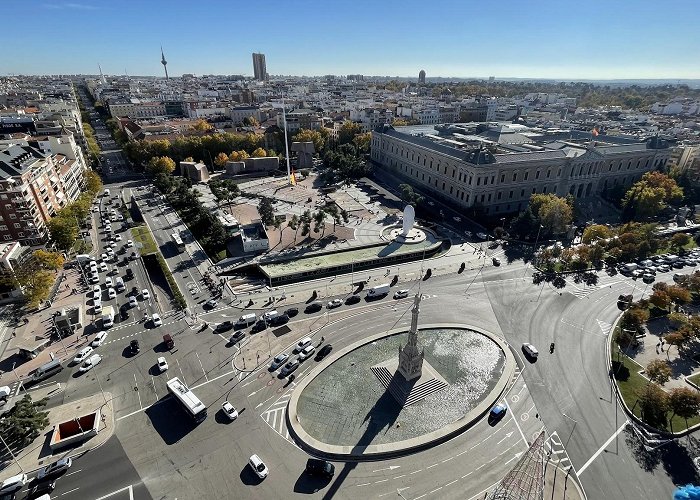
82, 354
156, 320
229, 411
111, 293
97, 306
332, 304
96, 290
162, 364
530, 350
13, 484
306, 352
279, 360
132, 301
103, 266
99, 339
118, 237
401, 294
108, 282
90, 363
258, 466
145, 294
129, 243
94, 278
103, 257
108, 227
457, 219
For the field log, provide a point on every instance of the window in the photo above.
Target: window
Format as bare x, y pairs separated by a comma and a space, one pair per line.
489, 199
499, 195
544, 190
21, 235
522, 193
6, 237
549, 172
493, 179
515, 176
559, 173
17, 225
503, 178
470, 180
510, 194
537, 174
527, 174
482, 198
3, 196
478, 181
443, 187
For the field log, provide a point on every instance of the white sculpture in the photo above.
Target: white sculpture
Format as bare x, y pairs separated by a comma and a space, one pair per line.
409, 217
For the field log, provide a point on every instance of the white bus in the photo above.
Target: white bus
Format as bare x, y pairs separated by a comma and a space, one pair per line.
191, 403
177, 241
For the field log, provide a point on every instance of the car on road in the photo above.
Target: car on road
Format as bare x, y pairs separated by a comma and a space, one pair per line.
111, 293
258, 466
210, 304
332, 304
496, 262
292, 311
13, 484
229, 411
82, 354
134, 346
498, 412
279, 320
323, 352
129, 243
259, 326
162, 364
306, 341
41, 490
313, 307
145, 295
99, 339
353, 299
401, 294
317, 467
457, 219
237, 336
124, 311
132, 301
468, 234
289, 368
90, 363
224, 327
129, 273
156, 320
306, 352
279, 360
530, 350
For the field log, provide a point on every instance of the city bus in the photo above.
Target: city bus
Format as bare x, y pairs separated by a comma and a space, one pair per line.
177, 241
189, 402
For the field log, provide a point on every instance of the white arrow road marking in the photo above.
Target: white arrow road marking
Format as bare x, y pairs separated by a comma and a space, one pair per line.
391, 467
507, 436
517, 455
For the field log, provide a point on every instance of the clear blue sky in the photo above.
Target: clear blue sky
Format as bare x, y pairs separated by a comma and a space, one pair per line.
588, 39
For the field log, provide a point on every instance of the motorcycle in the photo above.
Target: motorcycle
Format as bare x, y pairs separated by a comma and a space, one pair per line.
551, 348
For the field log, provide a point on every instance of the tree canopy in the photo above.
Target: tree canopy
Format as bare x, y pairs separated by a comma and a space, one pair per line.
650, 195
160, 165
23, 423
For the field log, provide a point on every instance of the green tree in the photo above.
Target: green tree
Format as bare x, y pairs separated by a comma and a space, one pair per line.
409, 196
238, 156
250, 121
653, 402
51, 261
160, 165
294, 224
660, 299
93, 183
306, 135
677, 339
525, 225
221, 160
266, 211
684, 402
555, 213
306, 222
399, 122
658, 371
596, 232
347, 132
34, 281
320, 222
651, 194
634, 318
363, 142
64, 231
679, 240
259, 153
23, 423
201, 126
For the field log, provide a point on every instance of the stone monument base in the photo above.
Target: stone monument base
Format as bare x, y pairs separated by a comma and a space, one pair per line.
407, 392
415, 235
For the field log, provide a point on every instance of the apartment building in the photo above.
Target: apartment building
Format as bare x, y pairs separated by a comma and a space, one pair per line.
502, 180
33, 187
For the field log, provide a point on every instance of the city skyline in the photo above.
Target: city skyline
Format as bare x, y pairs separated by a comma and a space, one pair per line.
598, 41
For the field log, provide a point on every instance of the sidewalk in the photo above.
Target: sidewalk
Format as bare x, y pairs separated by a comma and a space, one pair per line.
38, 328
38, 454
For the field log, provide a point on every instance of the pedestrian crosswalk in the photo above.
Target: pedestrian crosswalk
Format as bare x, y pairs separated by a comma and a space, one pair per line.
581, 290
275, 417
604, 326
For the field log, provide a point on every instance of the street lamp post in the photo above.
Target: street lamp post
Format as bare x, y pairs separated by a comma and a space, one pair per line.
572, 430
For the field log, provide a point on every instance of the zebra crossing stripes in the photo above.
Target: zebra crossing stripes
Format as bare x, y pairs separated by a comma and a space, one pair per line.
556, 451
604, 326
275, 417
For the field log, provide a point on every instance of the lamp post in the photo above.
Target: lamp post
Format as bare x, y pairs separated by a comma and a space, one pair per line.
572, 430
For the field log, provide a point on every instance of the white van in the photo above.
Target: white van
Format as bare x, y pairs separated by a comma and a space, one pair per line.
302, 344
628, 268
106, 192
247, 320
269, 315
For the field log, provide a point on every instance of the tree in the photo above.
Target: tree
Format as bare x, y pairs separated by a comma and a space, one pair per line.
23, 423
555, 213
294, 224
238, 156
202, 126
266, 211
399, 122
363, 142
678, 294
306, 135
93, 183
409, 196
677, 339
658, 371
679, 240
651, 194
221, 160
306, 222
160, 165
50, 261
653, 403
347, 132
259, 153
250, 121
64, 231
634, 318
684, 402
32, 279
596, 232
660, 299
525, 224
332, 210
319, 219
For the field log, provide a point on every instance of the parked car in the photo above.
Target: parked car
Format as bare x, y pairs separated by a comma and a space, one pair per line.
229, 411
332, 304
145, 295
132, 301
279, 320
353, 299
224, 327
41, 490
313, 307
162, 364
258, 466
401, 294
99, 339
259, 326
237, 336
292, 311
90, 363
323, 352
317, 467
279, 360
129, 273
13, 484
82, 354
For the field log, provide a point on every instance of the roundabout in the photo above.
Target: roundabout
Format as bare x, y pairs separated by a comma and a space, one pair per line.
361, 404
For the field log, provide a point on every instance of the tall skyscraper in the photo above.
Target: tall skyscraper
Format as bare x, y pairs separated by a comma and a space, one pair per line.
259, 68
421, 76
164, 62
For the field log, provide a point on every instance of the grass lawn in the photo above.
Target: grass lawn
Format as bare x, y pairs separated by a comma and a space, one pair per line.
219, 256
631, 383
668, 249
143, 235
695, 379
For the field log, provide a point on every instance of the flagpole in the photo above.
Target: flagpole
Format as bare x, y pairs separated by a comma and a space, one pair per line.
286, 142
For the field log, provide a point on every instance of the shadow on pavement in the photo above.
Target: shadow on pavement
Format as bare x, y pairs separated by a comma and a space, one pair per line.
310, 484
248, 477
170, 429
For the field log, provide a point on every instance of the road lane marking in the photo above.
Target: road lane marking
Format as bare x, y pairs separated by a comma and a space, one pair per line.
431, 466
416, 471
202, 367
74, 472
516, 423
70, 491
363, 484
138, 393
600, 450
381, 481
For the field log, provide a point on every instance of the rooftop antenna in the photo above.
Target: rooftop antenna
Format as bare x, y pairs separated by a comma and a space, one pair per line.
164, 62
